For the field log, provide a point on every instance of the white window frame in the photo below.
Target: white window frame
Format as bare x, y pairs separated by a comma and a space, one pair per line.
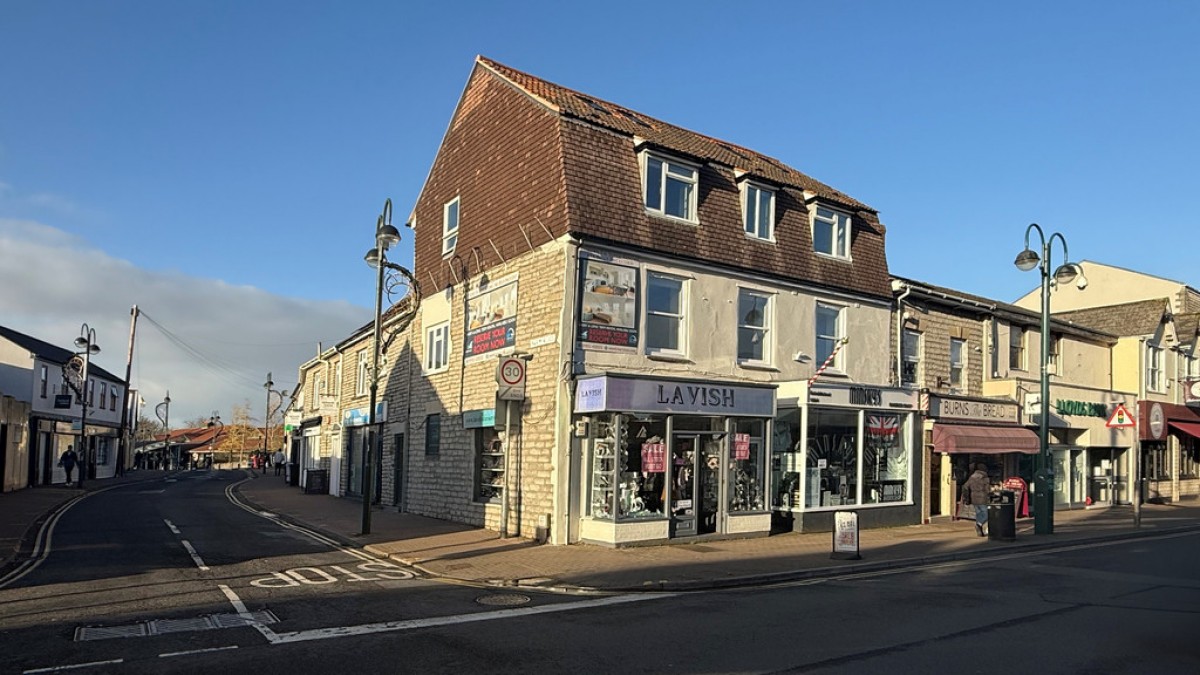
659, 209
764, 331
450, 227
752, 195
679, 319
1154, 373
911, 337
361, 379
437, 348
836, 221
837, 364
318, 390
1054, 358
960, 366
45, 379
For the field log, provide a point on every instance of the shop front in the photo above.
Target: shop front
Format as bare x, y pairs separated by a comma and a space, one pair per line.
964, 432
1090, 434
1170, 448
669, 458
843, 447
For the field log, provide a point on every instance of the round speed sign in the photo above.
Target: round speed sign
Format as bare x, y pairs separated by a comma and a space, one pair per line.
511, 372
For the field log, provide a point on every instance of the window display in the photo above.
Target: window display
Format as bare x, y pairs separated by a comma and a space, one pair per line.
628, 467
885, 458
745, 467
832, 464
489, 457
787, 461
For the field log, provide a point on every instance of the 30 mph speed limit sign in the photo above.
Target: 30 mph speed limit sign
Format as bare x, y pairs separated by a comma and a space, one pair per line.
510, 379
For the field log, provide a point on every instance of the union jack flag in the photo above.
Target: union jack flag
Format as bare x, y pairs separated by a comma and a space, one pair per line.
883, 425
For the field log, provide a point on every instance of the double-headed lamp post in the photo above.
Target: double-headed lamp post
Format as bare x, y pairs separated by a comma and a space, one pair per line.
1043, 477
386, 236
215, 421
87, 342
163, 410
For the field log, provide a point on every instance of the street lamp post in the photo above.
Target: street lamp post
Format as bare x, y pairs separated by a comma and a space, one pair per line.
386, 236
163, 410
87, 342
1043, 477
215, 421
267, 412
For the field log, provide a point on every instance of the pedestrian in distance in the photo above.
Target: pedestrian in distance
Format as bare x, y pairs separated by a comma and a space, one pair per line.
68, 461
976, 492
278, 460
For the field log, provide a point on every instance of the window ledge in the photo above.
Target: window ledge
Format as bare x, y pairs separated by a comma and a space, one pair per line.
673, 219
757, 365
668, 357
830, 256
761, 240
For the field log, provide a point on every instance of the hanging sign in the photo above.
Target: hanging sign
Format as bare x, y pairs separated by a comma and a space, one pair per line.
1120, 418
741, 446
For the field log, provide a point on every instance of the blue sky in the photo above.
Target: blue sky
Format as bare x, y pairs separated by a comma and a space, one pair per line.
245, 148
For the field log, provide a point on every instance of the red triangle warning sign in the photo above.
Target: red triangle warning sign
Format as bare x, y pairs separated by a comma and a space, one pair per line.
1120, 418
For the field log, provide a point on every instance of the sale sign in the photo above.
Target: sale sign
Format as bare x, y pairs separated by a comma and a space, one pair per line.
654, 457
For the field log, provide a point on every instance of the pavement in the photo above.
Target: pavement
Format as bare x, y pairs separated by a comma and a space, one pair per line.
472, 555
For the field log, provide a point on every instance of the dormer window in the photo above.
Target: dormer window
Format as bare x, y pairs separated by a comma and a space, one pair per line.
670, 187
450, 226
758, 211
831, 232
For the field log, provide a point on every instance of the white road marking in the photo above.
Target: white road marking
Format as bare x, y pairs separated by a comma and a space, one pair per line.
197, 651
73, 666
171, 526
411, 624
240, 608
195, 556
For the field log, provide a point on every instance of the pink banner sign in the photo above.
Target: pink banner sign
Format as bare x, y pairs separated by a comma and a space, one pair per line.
654, 457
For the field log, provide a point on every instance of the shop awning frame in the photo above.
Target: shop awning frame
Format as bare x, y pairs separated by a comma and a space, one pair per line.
983, 440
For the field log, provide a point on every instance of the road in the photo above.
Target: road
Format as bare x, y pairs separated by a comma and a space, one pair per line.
180, 576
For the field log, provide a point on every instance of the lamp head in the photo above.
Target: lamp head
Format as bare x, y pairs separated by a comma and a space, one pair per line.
387, 236
1065, 273
1027, 260
372, 258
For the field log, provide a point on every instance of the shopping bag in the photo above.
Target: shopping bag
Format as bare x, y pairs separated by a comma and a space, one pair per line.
965, 512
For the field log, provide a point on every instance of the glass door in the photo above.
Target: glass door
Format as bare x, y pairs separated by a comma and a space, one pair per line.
708, 473
683, 486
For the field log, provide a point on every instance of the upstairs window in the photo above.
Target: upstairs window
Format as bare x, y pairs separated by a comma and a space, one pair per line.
112, 398
1154, 379
958, 362
758, 211
44, 379
1054, 358
753, 322
830, 332
437, 348
670, 187
910, 357
1016, 348
364, 374
664, 314
831, 232
450, 226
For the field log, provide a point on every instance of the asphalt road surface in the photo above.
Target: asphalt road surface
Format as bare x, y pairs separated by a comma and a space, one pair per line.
180, 577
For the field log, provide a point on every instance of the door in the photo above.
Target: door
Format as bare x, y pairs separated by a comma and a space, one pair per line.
708, 476
682, 487
398, 470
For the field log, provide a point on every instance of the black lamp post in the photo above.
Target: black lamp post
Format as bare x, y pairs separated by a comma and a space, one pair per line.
163, 410
386, 236
215, 421
86, 342
267, 413
1043, 477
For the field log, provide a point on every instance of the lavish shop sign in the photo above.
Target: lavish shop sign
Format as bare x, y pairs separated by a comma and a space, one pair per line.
608, 303
491, 318
603, 393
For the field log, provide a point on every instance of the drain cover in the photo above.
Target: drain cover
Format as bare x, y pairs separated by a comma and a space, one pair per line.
502, 599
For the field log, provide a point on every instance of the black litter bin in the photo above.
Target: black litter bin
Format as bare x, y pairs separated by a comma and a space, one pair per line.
293, 474
1002, 517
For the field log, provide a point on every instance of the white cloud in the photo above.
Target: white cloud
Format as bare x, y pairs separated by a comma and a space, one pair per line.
53, 282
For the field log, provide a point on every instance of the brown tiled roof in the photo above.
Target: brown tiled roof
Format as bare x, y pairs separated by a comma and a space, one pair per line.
1187, 326
1132, 318
668, 136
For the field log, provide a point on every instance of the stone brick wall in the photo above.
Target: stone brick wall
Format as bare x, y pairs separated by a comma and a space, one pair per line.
937, 326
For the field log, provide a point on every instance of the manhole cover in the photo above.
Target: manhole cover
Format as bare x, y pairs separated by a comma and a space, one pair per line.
502, 599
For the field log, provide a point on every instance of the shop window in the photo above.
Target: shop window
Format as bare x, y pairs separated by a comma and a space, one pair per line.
628, 467
433, 435
489, 458
665, 318
753, 322
885, 458
746, 478
910, 357
832, 463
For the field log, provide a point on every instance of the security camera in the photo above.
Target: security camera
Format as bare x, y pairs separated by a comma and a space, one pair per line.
1081, 283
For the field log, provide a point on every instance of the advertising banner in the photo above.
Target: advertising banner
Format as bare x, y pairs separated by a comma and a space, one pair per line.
608, 307
491, 318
